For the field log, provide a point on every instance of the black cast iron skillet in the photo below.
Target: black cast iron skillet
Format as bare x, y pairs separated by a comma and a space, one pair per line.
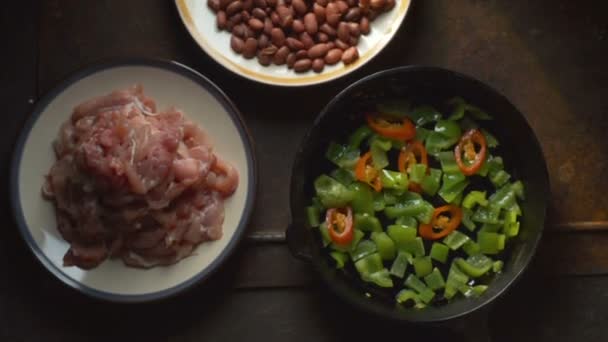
519, 148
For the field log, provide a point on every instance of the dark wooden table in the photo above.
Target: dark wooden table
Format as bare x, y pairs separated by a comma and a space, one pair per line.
548, 57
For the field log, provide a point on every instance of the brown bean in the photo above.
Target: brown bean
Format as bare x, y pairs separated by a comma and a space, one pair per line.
299, 6
350, 55
303, 65
234, 20
247, 5
237, 44
291, 60
294, 44
301, 54
332, 14
318, 50
352, 3
364, 25
285, 16
353, 14
390, 4
280, 57
256, 24
258, 13
322, 37
274, 17
272, 3
298, 26
234, 7
330, 45
263, 41
214, 5
341, 45
322, 2
251, 45
373, 14
225, 3
245, 15
239, 30
342, 6
318, 65
377, 4
333, 56
268, 26
260, 3
263, 59
277, 36
221, 20
327, 29
364, 5
306, 40
353, 40
343, 32
354, 29
319, 12
270, 50
310, 23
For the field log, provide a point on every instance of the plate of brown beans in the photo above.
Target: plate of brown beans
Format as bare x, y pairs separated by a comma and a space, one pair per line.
292, 42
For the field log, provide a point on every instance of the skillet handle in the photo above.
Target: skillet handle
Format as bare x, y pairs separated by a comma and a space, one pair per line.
473, 327
298, 242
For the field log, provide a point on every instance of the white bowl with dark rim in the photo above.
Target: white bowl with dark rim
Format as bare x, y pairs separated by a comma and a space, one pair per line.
169, 83
200, 21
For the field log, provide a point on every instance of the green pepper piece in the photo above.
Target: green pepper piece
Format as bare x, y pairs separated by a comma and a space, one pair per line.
358, 235
456, 278
475, 266
499, 178
386, 246
378, 200
416, 247
396, 108
488, 214
360, 134
455, 240
430, 183
400, 264
459, 108
312, 215
393, 180
490, 227
497, 266
381, 278
325, 238
453, 185
440, 252
422, 133
511, 229
478, 290
421, 209
378, 150
405, 296
491, 140
474, 197
434, 280
502, 198
363, 249
466, 219
450, 130
490, 243
518, 189
448, 162
401, 234
367, 223
343, 156
422, 115
471, 248
417, 172
363, 198
423, 266
340, 258
425, 294
436, 142
369, 264
332, 193
407, 221
492, 164
344, 176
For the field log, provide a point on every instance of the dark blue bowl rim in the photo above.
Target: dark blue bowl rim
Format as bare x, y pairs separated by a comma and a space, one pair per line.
252, 171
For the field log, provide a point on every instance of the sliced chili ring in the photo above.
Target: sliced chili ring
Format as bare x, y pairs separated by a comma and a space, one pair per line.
439, 220
402, 130
340, 225
412, 154
366, 173
467, 146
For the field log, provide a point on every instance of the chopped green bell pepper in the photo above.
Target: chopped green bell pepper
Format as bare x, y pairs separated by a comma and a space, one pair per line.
490, 227
434, 280
417, 172
325, 238
367, 223
518, 189
416, 247
466, 219
419, 208
401, 234
455, 240
473, 198
385, 245
369, 264
407, 221
456, 278
414, 283
343, 176
393, 180
400, 263
405, 296
448, 162
497, 266
340, 258
423, 266
381, 278
453, 186
363, 249
343, 156
378, 150
362, 133
488, 214
312, 216
422, 115
471, 248
439, 252
491, 140
332, 193
430, 183
422, 133
358, 235
378, 198
475, 266
499, 178
363, 198
490, 243
502, 198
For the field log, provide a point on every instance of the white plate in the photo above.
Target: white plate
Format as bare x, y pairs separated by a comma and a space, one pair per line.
169, 84
201, 23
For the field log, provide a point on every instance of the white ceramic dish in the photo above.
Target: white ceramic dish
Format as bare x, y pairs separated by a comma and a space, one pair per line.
201, 23
169, 84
